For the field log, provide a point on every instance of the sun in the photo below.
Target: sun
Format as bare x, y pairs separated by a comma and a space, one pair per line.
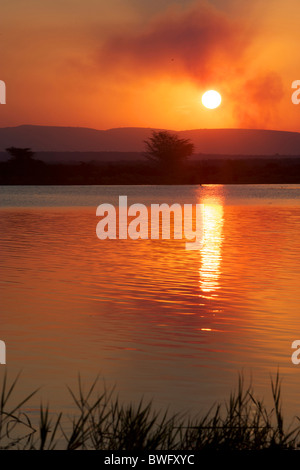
211, 99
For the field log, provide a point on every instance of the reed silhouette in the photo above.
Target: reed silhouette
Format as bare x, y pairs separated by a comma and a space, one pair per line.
101, 422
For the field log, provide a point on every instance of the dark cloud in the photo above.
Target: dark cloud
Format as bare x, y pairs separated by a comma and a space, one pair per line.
201, 42
257, 103
206, 46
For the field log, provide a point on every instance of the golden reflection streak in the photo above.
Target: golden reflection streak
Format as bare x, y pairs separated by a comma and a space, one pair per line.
211, 251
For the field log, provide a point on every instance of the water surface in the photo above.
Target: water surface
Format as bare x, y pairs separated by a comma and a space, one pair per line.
148, 315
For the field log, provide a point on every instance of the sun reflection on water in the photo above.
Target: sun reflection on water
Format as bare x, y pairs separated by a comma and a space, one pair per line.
211, 251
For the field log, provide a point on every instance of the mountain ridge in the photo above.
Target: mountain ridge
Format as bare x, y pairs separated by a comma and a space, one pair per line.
131, 139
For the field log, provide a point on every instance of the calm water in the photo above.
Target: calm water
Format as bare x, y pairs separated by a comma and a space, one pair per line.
150, 316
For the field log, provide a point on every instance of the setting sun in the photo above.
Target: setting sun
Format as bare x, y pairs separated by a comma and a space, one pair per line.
211, 99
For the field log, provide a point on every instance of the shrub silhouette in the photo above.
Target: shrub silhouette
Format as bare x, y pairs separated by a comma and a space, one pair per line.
167, 150
20, 155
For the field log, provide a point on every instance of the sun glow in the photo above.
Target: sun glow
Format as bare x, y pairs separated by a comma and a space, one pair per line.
211, 99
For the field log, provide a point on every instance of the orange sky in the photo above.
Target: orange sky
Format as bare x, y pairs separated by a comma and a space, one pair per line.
146, 63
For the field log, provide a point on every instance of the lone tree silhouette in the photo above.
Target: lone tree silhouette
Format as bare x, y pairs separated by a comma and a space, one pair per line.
167, 150
20, 155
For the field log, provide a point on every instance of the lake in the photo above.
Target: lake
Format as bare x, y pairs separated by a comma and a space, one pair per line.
149, 316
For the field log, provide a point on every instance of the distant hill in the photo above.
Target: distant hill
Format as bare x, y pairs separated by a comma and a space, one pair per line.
207, 141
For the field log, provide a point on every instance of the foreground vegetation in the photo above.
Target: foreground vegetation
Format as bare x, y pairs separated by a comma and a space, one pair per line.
166, 162
103, 423
208, 170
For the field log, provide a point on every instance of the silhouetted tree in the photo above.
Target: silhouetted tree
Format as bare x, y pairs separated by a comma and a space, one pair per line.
22, 167
167, 149
20, 155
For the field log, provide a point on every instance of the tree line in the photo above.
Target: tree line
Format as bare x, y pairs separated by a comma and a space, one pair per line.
166, 162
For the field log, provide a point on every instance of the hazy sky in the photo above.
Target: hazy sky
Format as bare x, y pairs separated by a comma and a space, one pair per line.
101, 64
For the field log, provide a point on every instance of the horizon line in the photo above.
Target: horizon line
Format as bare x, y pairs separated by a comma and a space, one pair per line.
152, 128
